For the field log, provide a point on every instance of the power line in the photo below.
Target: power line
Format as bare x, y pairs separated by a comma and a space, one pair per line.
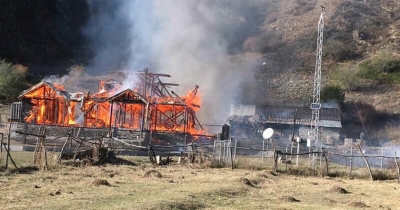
348, 87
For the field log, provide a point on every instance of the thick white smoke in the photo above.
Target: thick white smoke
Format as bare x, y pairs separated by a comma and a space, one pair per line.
186, 39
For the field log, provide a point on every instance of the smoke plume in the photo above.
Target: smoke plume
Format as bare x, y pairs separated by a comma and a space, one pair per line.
190, 40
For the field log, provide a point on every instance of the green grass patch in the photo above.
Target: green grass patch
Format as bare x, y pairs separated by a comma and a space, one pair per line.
385, 67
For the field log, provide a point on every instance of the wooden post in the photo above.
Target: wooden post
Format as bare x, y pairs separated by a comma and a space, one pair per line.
8, 143
275, 160
231, 155
262, 153
291, 150
383, 154
9, 155
286, 160
184, 150
26, 131
43, 145
397, 164
366, 162
351, 159
62, 149
1, 148
77, 149
36, 153
326, 162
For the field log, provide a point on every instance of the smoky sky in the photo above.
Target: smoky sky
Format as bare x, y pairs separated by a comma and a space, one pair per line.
193, 41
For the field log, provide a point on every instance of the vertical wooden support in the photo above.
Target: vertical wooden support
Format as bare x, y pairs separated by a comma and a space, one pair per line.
36, 153
326, 162
63, 147
26, 131
9, 156
397, 164
275, 160
366, 162
8, 143
111, 114
43, 145
1, 148
80, 144
351, 160
231, 153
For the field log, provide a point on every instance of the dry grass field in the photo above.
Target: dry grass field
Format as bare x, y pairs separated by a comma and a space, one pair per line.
139, 185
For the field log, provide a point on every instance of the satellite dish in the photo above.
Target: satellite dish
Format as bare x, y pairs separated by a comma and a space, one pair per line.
268, 133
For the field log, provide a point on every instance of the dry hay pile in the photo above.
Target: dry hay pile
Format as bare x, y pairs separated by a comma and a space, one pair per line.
152, 173
288, 199
101, 182
337, 189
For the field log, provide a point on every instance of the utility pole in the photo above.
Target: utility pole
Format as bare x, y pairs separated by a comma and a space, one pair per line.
316, 104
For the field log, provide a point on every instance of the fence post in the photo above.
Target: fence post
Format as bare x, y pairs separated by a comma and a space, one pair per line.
275, 160
382, 158
262, 153
326, 162
397, 164
1, 148
351, 159
298, 150
213, 150
231, 154
286, 160
291, 150
286, 152
234, 157
366, 162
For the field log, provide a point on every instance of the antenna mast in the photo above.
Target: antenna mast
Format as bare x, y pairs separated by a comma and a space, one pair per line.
316, 104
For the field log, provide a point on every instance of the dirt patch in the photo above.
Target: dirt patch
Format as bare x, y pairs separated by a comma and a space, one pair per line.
288, 199
267, 174
337, 189
20, 170
182, 205
152, 173
227, 193
101, 182
246, 182
357, 204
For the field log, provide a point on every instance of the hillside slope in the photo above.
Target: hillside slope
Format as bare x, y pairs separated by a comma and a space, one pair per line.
354, 32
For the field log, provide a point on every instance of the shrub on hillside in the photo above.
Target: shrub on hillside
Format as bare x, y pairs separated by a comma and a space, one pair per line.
12, 81
385, 67
341, 51
345, 77
332, 93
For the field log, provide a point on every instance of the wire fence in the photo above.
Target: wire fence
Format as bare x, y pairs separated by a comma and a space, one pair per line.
350, 158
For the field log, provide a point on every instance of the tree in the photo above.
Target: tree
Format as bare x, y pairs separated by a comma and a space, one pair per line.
12, 81
332, 93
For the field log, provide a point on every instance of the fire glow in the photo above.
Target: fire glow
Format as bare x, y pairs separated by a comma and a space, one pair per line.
149, 105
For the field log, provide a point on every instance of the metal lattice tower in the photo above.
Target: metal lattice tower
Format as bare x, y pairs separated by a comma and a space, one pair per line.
316, 104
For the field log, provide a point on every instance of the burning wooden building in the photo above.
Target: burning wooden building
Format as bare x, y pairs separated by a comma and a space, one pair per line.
134, 115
